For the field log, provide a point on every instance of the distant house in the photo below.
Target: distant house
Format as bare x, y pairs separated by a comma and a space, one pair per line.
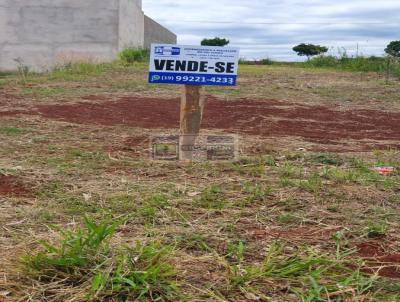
41, 34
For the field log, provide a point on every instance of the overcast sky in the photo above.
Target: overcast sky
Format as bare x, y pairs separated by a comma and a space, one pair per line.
371, 24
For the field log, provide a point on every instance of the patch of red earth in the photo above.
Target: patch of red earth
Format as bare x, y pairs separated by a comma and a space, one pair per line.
12, 113
375, 253
133, 143
351, 147
378, 259
11, 186
268, 118
137, 141
95, 98
294, 234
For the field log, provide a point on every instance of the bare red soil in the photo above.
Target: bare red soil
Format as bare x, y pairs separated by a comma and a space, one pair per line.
268, 118
379, 260
10, 113
378, 254
11, 186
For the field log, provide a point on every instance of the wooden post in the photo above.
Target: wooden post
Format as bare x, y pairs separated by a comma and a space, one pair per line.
192, 106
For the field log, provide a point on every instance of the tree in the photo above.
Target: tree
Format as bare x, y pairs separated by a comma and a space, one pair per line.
393, 49
215, 42
309, 50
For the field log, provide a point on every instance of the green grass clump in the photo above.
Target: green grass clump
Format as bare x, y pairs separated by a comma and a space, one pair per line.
131, 55
310, 275
2, 83
355, 64
376, 230
76, 252
140, 274
212, 198
85, 262
44, 91
326, 159
255, 193
253, 168
81, 68
11, 131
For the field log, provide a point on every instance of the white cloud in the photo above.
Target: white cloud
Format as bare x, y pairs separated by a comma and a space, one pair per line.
344, 23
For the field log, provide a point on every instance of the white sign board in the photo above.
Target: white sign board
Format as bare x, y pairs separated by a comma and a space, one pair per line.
193, 65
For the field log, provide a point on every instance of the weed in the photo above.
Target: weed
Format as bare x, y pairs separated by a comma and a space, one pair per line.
235, 251
76, 252
326, 159
286, 182
141, 273
23, 70
313, 184
45, 91
147, 213
196, 242
84, 260
313, 277
131, 55
287, 170
3, 83
150, 206
287, 218
376, 230
158, 200
255, 192
212, 198
121, 203
11, 131
78, 70
254, 168
359, 63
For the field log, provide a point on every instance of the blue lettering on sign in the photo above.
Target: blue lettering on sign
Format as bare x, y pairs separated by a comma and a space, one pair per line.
167, 51
192, 79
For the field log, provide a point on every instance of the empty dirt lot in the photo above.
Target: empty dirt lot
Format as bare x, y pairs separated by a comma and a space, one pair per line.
300, 215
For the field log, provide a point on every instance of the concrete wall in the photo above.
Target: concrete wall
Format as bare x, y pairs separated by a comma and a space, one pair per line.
131, 20
156, 33
41, 34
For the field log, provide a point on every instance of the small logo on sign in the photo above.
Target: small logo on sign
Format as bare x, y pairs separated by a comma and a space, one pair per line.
155, 77
167, 51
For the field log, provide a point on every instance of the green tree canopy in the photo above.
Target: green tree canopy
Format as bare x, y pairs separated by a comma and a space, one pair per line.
215, 42
393, 49
309, 50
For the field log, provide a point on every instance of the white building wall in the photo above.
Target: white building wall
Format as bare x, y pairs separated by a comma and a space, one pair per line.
41, 34
131, 24
156, 33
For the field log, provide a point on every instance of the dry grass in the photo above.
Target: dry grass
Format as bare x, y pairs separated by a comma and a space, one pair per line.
279, 224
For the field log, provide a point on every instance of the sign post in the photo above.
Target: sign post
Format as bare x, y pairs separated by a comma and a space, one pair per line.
193, 67
192, 107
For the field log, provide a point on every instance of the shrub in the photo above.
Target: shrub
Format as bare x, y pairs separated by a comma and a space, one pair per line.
131, 55
357, 64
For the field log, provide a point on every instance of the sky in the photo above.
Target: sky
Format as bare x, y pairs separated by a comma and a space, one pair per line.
270, 28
